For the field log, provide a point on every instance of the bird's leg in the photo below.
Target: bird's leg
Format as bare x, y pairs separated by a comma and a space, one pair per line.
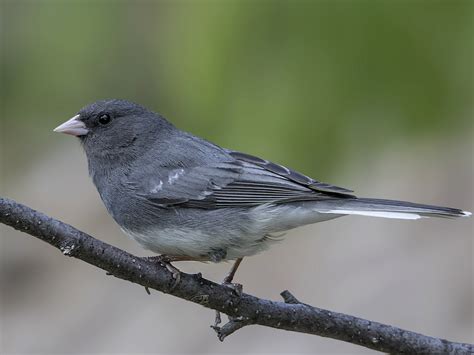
166, 260
228, 282
230, 276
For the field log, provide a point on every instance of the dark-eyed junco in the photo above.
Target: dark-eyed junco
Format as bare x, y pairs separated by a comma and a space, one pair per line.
182, 196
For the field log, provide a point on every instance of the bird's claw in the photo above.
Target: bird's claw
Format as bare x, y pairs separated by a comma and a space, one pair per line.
165, 261
175, 273
235, 287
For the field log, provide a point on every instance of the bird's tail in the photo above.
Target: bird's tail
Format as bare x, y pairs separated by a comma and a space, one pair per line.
389, 209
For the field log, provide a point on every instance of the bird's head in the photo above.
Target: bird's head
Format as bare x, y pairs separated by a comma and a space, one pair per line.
113, 127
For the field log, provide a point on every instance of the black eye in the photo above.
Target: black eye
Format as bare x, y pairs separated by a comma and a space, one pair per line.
104, 118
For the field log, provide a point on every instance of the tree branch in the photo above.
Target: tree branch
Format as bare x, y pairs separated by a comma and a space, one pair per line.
242, 309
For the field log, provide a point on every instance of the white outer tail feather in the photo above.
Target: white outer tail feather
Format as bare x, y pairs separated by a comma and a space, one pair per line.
384, 214
373, 207
387, 214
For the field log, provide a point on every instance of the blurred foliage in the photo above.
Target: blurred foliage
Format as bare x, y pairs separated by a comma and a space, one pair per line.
305, 83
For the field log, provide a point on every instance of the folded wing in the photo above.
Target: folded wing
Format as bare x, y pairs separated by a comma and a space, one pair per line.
245, 181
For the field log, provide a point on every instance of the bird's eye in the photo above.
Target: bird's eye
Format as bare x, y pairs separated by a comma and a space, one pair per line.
104, 118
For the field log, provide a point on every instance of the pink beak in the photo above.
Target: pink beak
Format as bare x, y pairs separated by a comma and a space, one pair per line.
73, 126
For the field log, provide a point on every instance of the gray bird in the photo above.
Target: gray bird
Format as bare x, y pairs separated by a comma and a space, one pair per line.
181, 196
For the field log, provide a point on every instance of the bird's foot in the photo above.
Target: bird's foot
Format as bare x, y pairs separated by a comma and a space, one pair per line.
165, 260
236, 288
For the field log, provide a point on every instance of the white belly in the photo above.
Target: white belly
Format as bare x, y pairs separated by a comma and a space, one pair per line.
196, 242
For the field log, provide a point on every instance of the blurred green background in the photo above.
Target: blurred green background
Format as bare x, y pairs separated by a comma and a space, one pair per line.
371, 95
307, 83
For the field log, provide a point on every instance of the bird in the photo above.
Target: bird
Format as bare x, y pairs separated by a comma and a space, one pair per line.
185, 198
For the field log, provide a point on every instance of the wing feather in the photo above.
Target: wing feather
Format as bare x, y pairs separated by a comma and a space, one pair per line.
290, 174
245, 181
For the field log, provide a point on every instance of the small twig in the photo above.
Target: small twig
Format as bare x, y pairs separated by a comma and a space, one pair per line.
289, 298
230, 327
243, 309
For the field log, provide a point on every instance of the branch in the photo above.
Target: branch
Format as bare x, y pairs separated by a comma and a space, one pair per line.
242, 309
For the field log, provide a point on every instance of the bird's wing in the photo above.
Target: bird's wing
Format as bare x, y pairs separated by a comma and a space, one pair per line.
246, 181
290, 175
